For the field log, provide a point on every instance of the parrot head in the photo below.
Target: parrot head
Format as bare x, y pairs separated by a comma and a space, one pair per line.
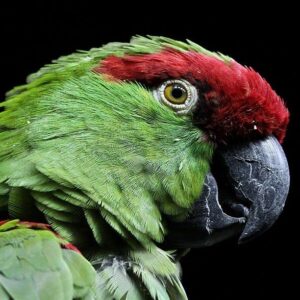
240, 117
162, 140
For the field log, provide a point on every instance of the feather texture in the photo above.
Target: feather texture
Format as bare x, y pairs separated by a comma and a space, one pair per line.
34, 266
124, 171
102, 162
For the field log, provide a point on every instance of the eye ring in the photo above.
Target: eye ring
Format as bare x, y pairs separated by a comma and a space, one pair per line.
186, 101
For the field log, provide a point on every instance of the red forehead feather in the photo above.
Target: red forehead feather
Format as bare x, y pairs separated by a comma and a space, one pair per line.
245, 101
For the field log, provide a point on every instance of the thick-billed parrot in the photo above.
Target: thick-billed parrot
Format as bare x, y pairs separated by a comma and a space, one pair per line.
115, 160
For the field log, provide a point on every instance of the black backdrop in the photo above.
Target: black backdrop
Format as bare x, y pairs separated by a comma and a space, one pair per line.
32, 35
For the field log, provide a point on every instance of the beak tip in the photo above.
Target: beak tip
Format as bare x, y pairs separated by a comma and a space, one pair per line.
257, 226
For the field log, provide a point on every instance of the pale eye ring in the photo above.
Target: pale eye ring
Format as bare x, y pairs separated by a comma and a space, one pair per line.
178, 94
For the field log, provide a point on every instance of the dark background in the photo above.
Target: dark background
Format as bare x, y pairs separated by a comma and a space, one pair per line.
33, 34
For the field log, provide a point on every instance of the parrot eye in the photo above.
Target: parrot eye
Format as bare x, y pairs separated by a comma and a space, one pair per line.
176, 93
180, 95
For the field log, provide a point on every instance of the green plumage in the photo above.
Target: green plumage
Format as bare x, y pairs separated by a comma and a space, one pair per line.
33, 266
103, 163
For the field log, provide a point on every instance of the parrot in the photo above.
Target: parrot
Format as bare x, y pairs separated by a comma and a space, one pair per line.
115, 161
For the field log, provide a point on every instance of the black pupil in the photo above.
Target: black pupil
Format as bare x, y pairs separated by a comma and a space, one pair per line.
177, 92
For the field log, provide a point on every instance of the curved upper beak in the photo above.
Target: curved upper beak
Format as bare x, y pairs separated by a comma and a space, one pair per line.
243, 195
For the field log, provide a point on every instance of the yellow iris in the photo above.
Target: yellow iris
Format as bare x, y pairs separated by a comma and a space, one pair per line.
176, 93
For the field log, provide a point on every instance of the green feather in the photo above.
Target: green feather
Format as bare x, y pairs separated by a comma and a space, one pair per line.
155, 275
102, 162
83, 275
21, 204
119, 284
81, 61
34, 266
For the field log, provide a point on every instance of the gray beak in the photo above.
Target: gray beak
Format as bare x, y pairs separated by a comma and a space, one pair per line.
243, 196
